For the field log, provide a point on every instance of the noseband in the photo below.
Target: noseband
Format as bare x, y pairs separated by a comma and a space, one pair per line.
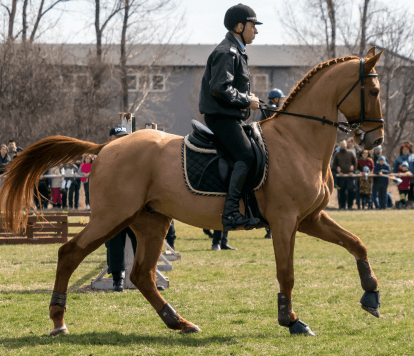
347, 127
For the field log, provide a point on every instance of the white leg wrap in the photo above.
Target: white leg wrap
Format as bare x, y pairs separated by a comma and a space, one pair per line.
58, 330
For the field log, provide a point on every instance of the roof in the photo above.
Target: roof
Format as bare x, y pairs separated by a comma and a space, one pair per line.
195, 55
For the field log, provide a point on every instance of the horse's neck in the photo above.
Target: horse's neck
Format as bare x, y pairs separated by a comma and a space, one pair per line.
318, 98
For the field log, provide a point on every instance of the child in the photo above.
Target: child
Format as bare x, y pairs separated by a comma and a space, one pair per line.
86, 166
404, 186
381, 183
365, 188
56, 183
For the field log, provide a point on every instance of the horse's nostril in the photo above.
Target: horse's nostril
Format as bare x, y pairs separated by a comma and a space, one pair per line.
378, 142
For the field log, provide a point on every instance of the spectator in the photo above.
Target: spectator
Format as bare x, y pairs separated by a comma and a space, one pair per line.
365, 188
381, 183
115, 247
86, 166
43, 188
56, 185
170, 238
69, 169
406, 155
377, 153
73, 194
208, 233
275, 97
4, 161
365, 160
404, 186
220, 241
344, 162
12, 148
351, 147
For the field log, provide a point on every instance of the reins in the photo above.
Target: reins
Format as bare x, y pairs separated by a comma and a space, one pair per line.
347, 127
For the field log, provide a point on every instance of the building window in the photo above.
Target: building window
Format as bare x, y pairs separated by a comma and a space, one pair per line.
260, 82
132, 82
144, 82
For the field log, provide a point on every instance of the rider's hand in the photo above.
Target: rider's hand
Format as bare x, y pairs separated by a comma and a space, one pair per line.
254, 103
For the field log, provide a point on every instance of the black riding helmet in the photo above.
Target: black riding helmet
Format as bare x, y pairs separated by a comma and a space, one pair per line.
240, 14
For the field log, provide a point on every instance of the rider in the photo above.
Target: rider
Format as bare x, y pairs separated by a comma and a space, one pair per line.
226, 100
275, 100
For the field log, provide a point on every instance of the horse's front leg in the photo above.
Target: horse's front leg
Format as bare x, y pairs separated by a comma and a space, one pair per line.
283, 234
323, 227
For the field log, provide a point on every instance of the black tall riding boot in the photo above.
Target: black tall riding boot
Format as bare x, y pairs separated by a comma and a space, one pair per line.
232, 218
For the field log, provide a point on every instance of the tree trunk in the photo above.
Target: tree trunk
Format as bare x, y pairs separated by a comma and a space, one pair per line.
123, 60
24, 20
12, 15
362, 43
331, 13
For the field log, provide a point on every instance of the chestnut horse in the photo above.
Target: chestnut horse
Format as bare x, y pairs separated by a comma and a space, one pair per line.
137, 181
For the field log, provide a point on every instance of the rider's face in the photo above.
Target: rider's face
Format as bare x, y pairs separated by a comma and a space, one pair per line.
250, 32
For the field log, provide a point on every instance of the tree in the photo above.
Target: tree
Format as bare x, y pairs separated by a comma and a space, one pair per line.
32, 15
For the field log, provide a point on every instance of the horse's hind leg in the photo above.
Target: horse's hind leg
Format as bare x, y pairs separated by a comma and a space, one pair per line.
323, 227
150, 230
100, 229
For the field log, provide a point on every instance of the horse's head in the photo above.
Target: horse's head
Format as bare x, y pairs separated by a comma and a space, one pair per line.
362, 107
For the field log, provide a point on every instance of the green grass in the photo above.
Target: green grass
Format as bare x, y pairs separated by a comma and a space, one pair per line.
230, 295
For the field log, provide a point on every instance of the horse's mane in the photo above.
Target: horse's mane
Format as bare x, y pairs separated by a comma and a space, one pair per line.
307, 78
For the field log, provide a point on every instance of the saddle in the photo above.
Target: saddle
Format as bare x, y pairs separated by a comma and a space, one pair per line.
207, 166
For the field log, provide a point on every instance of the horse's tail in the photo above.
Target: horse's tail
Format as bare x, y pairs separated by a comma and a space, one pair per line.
16, 193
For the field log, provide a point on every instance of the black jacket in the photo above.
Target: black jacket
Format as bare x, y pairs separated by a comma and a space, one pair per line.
225, 87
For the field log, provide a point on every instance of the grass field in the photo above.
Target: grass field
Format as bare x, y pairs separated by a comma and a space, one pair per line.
230, 295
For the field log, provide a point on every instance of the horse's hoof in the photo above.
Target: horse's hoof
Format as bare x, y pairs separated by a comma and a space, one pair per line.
191, 330
62, 330
370, 302
299, 327
374, 311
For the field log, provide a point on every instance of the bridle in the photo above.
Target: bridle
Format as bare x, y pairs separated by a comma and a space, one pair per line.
347, 127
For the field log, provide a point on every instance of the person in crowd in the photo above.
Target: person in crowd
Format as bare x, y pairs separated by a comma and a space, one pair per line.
208, 233
404, 186
4, 161
56, 186
365, 187
43, 188
68, 170
170, 238
12, 148
225, 101
377, 152
350, 144
86, 166
381, 183
344, 162
220, 239
275, 97
115, 247
365, 160
406, 155
73, 192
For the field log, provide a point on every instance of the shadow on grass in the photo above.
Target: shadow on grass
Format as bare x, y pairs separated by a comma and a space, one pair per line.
114, 338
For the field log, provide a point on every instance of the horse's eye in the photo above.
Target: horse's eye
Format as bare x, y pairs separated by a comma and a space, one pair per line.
374, 92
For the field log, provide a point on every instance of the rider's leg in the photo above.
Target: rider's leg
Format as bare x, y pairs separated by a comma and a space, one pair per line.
230, 132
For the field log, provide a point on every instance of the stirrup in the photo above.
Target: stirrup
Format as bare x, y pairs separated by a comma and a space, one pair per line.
233, 221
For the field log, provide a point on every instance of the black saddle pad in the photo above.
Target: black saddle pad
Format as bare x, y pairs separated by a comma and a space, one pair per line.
201, 168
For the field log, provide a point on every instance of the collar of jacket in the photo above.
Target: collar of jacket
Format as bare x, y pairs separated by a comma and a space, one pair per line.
231, 37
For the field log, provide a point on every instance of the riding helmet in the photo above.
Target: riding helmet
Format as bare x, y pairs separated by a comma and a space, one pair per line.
276, 93
239, 14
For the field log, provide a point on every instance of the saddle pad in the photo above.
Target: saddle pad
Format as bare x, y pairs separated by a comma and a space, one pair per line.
195, 160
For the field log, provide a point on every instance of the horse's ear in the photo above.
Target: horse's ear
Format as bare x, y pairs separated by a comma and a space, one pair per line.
370, 53
370, 63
